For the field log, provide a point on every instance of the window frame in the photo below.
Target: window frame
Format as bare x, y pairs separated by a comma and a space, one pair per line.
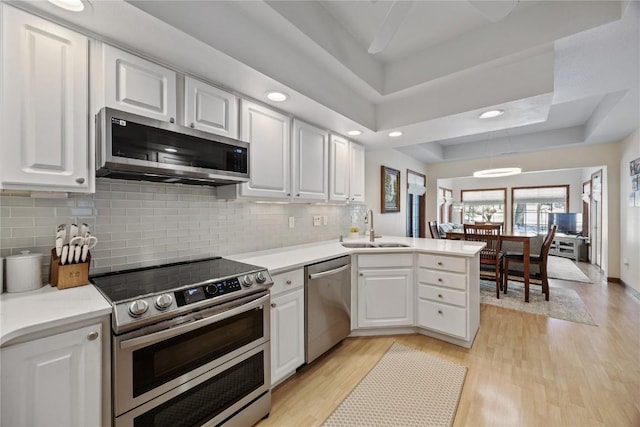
514, 201
504, 201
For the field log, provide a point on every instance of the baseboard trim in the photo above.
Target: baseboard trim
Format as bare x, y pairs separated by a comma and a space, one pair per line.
615, 280
627, 287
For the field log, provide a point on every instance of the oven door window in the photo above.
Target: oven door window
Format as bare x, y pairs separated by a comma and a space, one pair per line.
161, 362
205, 401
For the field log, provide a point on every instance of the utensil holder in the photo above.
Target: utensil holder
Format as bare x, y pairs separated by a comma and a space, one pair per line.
68, 275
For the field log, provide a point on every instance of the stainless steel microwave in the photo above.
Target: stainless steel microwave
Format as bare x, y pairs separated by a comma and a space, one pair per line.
130, 146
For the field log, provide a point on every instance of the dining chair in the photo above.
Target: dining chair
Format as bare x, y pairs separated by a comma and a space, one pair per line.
539, 260
491, 256
435, 231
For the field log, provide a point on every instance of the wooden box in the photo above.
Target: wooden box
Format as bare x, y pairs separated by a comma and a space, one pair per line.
68, 275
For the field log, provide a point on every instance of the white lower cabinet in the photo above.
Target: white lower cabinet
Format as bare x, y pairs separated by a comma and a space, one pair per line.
287, 325
448, 296
53, 381
385, 294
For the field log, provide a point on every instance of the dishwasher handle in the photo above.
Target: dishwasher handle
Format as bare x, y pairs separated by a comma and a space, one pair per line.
330, 272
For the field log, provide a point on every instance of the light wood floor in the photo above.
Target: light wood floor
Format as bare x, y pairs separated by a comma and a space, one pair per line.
523, 369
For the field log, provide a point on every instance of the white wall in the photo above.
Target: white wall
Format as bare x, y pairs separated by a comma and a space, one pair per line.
389, 223
629, 216
608, 155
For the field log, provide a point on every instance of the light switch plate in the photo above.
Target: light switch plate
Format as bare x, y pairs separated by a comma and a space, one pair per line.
292, 222
325, 220
317, 220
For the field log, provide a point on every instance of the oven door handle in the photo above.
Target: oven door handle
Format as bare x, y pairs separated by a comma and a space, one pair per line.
182, 328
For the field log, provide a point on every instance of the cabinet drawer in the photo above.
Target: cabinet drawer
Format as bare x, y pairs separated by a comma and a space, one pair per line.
437, 294
385, 260
442, 318
290, 280
442, 278
443, 263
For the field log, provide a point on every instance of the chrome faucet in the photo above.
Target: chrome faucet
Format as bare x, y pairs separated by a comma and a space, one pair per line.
372, 234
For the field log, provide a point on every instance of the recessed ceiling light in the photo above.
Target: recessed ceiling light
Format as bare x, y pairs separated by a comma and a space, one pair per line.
277, 96
491, 113
354, 132
72, 5
395, 133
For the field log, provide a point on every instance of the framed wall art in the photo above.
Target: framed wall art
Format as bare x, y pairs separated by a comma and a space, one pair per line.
390, 190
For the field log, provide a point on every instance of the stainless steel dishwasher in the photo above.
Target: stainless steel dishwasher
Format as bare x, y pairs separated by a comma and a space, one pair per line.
327, 305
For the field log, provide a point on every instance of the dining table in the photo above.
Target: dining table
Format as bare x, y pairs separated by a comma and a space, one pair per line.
523, 237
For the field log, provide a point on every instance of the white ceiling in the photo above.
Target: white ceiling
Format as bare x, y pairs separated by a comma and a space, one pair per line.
567, 73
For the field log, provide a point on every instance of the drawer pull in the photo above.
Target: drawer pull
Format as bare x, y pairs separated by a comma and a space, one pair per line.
273, 305
439, 295
93, 335
288, 282
439, 311
440, 263
440, 279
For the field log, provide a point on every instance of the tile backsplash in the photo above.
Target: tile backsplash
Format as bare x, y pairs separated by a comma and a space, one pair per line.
139, 224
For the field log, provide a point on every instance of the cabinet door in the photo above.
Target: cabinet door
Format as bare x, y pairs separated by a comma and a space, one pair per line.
385, 298
138, 86
210, 109
287, 334
53, 381
338, 169
44, 111
310, 162
269, 133
356, 173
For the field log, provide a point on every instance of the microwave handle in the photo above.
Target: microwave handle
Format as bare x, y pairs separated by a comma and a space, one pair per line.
177, 330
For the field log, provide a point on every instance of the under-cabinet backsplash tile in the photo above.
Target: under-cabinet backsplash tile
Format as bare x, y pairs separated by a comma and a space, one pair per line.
139, 224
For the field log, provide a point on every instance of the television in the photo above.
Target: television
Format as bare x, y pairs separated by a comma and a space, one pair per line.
568, 223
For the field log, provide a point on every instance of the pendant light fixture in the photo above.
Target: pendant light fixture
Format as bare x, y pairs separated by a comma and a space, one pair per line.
497, 172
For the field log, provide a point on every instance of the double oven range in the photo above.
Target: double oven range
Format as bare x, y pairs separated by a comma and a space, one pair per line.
190, 344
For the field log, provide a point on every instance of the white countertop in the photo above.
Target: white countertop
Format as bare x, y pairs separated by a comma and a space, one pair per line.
23, 313
290, 257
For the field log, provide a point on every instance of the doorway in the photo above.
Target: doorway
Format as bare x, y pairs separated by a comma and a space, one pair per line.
595, 219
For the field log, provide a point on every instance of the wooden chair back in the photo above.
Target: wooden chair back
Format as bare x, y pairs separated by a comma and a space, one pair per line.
546, 243
495, 229
434, 230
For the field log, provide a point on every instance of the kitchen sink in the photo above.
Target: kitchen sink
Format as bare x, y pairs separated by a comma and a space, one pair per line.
375, 245
358, 245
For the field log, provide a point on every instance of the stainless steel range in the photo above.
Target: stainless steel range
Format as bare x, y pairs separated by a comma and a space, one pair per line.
190, 343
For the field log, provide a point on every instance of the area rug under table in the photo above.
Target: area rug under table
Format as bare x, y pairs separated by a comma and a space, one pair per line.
407, 387
563, 303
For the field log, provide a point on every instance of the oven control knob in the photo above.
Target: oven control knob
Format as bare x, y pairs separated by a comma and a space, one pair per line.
261, 277
247, 280
211, 289
164, 301
138, 308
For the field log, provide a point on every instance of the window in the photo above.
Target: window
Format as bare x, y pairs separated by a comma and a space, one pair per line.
416, 224
531, 206
445, 200
484, 205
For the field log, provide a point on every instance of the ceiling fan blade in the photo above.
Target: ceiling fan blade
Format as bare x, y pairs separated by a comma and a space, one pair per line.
494, 10
398, 11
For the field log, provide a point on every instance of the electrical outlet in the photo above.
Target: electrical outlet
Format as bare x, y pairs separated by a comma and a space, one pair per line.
317, 220
325, 220
292, 222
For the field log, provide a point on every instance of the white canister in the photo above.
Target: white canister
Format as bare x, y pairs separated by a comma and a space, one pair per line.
24, 272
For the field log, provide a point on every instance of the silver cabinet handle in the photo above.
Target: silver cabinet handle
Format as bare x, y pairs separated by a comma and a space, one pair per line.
440, 263
288, 282
172, 120
439, 295
330, 272
439, 311
440, 279
80, 180
273, 305
93, 335
191, 125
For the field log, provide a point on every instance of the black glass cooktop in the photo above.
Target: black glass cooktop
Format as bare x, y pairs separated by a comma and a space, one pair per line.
130, 284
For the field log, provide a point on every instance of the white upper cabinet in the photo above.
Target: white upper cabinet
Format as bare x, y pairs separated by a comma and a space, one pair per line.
210, 109
269, 134
310, 162
346, 171
338, 169
44, 106
356, 173
136, 85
